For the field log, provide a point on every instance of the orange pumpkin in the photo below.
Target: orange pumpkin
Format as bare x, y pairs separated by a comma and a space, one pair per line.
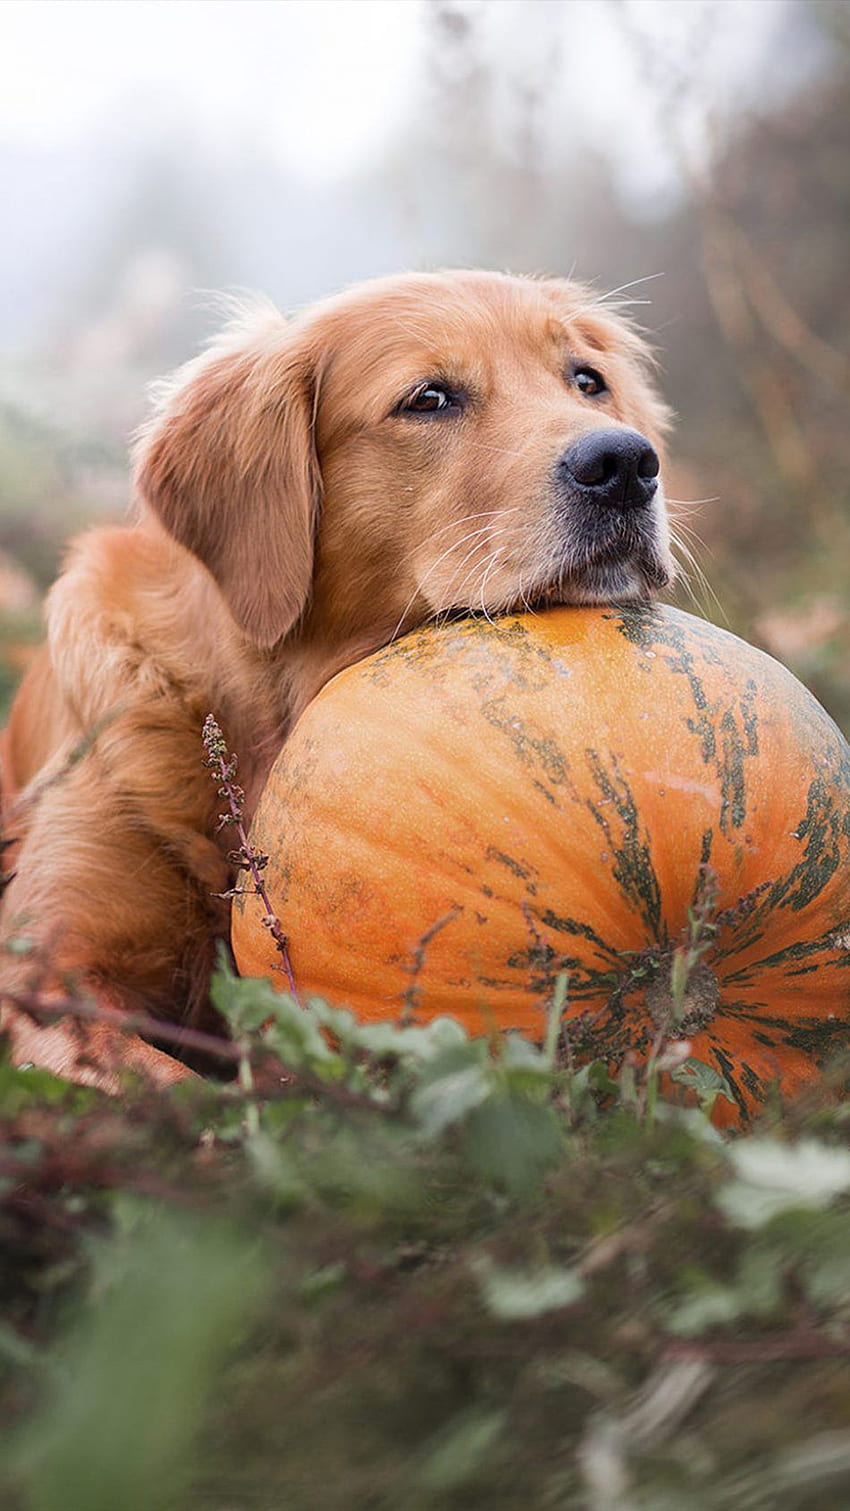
474, 809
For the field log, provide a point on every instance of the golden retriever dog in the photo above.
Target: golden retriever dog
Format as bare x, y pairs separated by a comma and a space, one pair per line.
306, 490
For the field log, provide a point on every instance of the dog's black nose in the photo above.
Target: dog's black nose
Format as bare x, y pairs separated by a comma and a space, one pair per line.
616, 468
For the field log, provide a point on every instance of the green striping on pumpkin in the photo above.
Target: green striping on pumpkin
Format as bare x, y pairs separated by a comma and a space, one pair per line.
480, 806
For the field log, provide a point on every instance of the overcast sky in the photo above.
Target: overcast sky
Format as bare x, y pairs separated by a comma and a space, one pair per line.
342, 66
313, 90
322, 81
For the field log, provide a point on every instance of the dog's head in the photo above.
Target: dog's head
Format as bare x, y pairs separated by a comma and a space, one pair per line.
420, 444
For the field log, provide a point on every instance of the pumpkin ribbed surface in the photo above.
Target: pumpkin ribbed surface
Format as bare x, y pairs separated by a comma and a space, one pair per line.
474, 809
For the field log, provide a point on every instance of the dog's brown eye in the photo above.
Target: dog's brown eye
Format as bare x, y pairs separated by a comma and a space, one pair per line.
589, 382
430, 398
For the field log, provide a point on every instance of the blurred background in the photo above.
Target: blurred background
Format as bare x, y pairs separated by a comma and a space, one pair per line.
698, 153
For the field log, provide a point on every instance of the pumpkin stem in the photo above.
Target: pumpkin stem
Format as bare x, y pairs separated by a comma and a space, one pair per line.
682, 1012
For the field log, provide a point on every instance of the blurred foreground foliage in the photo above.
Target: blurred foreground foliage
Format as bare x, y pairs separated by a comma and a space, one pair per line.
398, 1268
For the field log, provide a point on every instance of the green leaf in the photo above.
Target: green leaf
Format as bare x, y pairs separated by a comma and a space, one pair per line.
117, 1432
759, 1280
297, 1040
338, 1021
276, 1170
776, 1178
457, 1082
518, 1053
707, 1082
756, 1290
15, 1348
692, 1120
460, 1449
323, 1282
385, 1040
513, 1141
244, 1003
712, 1306
20, 1087
515, 1295
596, 1077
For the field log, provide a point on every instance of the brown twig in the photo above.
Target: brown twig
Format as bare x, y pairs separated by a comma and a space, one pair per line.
58, 1171
38, 1009
795, 1345
246, 858
192, 1038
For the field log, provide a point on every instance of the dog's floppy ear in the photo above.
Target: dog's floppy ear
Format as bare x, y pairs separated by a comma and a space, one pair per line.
229, 466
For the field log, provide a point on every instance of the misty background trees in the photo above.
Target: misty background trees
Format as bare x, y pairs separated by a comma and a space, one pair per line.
728, 214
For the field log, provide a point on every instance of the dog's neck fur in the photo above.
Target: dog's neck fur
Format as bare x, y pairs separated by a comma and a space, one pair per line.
135, 599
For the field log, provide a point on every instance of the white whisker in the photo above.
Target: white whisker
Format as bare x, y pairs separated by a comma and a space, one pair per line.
523, 598
692, 503
482, 530
460, 596
455, 546
680, 528
633, 284
682, 550
455, 524
457, 597
493, 560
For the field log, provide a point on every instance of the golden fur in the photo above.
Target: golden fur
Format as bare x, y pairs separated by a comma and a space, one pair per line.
290, 520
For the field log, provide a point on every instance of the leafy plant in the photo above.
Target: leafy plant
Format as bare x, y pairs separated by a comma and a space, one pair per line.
392, 1265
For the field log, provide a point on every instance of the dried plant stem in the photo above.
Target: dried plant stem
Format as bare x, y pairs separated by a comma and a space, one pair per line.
246, 858
277, 1077
41, 1009
800, 1343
